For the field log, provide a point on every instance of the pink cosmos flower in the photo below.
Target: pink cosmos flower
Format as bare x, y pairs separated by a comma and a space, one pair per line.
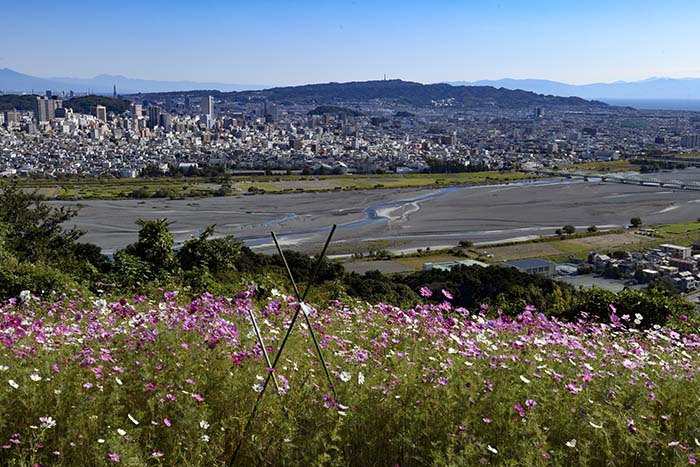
447, 294
114, 457
691, 459
425, 292
197, 397
519, 408
166, 422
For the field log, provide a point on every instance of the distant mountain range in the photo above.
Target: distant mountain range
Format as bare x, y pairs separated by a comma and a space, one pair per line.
15, 82
652, 88
12, 81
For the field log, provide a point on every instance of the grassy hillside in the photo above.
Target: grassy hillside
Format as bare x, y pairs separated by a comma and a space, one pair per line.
160, 381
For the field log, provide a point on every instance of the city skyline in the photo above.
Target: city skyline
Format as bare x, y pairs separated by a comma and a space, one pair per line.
274, 43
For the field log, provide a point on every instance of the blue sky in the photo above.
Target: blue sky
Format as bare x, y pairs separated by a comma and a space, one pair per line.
273, 42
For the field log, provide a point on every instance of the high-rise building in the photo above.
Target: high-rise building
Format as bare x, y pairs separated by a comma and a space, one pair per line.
166, 121
208, 106
101, 113
206, 120
12, 117
45, 108
136, 110
153, 116
690, 141
270, 111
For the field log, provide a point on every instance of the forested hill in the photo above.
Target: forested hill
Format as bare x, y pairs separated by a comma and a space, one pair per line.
86, 104
82, 104
402, 92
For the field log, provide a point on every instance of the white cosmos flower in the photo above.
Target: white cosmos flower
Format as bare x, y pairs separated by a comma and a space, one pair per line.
119, 382
35, 377
571, 443
101, 441
258, 387
204, 425
360, 378
205, 438
47, 422
25, 295
345, 376
492, 449
133, 420
121, 432
4, 368
524, 379
13, 384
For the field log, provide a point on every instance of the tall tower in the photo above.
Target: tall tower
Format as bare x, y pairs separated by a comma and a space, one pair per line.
115, 91
208, 106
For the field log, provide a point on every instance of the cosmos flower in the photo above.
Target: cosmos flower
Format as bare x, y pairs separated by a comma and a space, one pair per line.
47, 422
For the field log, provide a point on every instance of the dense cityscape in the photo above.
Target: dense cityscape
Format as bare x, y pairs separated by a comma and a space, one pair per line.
161, 135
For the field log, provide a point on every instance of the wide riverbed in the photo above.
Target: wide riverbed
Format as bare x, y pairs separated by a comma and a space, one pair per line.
416, 217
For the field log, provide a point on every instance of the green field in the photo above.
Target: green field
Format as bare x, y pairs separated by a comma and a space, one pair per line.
107, 188
605, 166
556, 249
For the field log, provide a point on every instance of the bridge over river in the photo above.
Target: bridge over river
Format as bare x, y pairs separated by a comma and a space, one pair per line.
625, 178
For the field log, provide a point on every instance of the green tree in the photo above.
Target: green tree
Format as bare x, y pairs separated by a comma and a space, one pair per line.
154, 247
568, 229
636, 221
35, 229
216, 255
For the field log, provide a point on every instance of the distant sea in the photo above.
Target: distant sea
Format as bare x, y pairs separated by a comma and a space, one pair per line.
657, 104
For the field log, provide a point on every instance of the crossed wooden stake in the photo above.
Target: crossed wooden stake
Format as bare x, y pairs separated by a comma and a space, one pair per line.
301, 306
